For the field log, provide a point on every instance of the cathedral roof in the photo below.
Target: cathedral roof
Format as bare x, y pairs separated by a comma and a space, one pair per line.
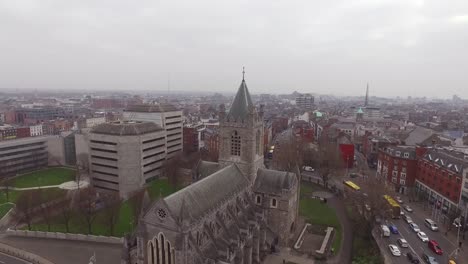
242, 103
206, 168
273, 181
204, 195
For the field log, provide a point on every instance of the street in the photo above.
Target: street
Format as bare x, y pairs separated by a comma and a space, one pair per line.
416, 245
6, 259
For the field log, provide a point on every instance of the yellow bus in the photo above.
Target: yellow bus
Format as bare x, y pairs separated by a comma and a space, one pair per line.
352, 185
394, 207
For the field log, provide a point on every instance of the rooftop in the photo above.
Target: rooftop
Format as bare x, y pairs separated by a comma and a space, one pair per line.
126, 128
242, 103
151, 108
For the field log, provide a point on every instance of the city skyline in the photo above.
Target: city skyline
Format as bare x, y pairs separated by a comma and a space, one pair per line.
401, 48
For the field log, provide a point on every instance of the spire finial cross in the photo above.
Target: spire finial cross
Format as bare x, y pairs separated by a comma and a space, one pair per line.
243, 73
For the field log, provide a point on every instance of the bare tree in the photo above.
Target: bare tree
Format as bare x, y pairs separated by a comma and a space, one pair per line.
112, 203
25, 206
170, 170
87, 206
328, 161
46, 207
288, 153
6, 184
82, 166
136, 203
67, 209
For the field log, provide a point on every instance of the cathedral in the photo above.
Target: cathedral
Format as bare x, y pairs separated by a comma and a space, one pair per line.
236, 212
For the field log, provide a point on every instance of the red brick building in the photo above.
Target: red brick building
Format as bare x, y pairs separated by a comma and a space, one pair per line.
439, 179
22, 132
398, 165
211, 137
192, 135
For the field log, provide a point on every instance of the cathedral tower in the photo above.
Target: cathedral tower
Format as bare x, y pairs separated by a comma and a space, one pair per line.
241, 134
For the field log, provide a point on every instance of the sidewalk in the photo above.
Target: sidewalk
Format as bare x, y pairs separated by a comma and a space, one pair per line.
285, 254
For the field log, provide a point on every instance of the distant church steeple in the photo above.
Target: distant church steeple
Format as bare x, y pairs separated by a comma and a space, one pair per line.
366, 102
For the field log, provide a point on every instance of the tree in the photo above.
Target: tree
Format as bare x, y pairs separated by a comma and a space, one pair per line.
67, 209
288, 153
25, 206
6, 188
87, 206
136, 203
112, 203
46, 208
82, 166
170, 170
328, 161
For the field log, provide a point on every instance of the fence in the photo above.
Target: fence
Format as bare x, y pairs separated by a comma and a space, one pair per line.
21, 254
65, 236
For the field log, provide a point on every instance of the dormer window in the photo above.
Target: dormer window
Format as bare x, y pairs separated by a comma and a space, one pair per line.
406, 155
398, 153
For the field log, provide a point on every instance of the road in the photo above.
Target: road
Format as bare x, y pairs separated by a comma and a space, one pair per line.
6, 259
416, 245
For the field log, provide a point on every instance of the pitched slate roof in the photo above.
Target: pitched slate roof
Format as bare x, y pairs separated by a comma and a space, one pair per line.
206, 168
273, 181
202, 196
242, 103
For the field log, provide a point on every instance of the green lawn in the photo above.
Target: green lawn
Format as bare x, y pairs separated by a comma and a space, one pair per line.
160, 187
50, 176
124, 224
12, 196
319, 213
78, 225
4, 208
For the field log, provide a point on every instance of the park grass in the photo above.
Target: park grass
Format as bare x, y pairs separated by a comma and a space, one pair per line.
46, 177
317, 212
124, 223
12, 196
100, 226
4, 208
160, 187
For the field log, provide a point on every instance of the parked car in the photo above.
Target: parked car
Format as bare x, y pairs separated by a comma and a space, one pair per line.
402, 242
412, 258
398, 199
394, 250
431, 224
308, 168
408, 208
429, 259
408, 219
434, 246
423, 237
414, 227
393, 229
353, 175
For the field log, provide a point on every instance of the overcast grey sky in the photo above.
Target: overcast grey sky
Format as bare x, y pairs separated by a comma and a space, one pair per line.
401, 47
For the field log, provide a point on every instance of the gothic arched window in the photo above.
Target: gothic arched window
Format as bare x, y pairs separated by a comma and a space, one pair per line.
235, 144
257, 142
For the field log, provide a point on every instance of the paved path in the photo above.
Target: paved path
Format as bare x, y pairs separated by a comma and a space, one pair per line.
6, 259
285, 254
345, 253
63, 251
71, 185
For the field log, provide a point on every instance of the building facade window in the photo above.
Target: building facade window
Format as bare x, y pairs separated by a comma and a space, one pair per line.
257, 142
235, 144
258, 199
274, 203
402, 181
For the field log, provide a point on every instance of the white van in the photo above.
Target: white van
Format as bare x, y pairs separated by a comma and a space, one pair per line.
431, 224
385, 231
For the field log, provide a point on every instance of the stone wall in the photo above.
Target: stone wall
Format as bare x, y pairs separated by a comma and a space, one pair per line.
65, 236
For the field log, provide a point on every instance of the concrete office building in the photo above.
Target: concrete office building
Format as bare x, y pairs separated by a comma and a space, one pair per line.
22, 155
305, 101
124, 155
165, 115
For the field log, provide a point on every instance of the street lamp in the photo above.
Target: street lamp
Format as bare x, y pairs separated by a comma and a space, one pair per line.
457, 224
